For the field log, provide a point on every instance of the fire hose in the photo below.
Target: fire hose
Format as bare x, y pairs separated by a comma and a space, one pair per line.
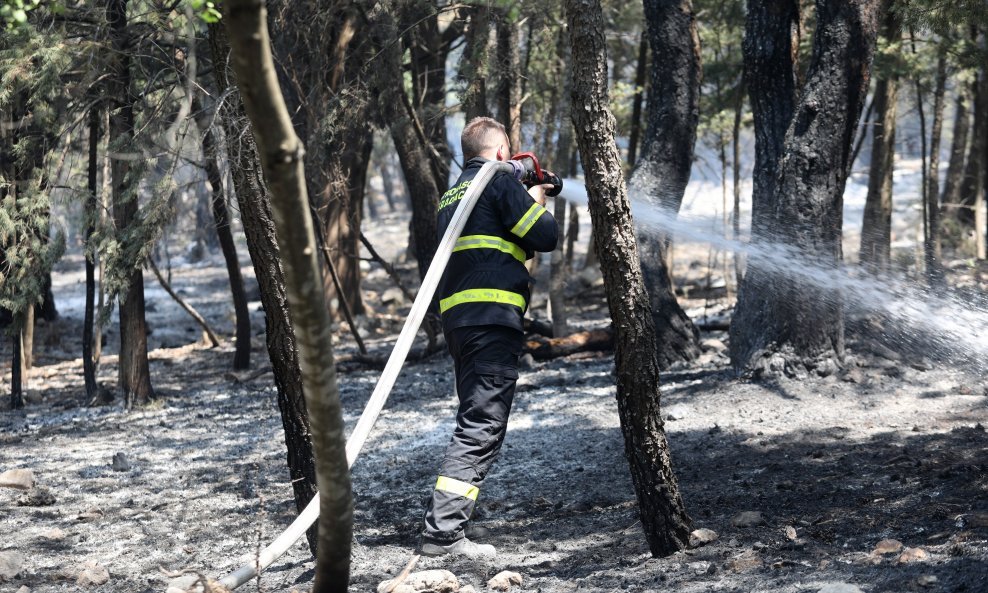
524, 167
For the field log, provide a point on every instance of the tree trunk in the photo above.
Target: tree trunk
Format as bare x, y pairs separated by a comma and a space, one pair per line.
92, 207
224, 236
662, 172
473, 71
27, 342
17, 364
641, 70
958, 150
973, 171
255, 214
661, 508
736, 168
281, 157
931, 245
876, 229
134, 371
509, 79
781, 323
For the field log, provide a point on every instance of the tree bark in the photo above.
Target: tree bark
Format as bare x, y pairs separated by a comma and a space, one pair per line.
876, 229
509, 79
281, 157
473, 71
641, 71
931, 245
91, 210
134, 371
958, 151
255, 214
17, 364
661, 508
663, 171
224, 236
781, 323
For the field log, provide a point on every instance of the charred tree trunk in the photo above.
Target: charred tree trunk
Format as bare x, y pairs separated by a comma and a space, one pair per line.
281, 156
134, 371
975, 162
91, 210
474, 67
641, 71
224, 236
508, 78
663, 515
931, 245
876, 229
784, 322
662, 172
17, 364
958, 150
255, 214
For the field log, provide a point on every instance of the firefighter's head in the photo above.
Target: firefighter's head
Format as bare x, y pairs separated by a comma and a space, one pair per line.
485, 137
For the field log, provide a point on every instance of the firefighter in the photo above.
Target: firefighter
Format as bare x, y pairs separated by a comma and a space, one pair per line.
483, 296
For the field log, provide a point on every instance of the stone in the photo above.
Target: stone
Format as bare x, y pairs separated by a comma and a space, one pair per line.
826, 368
790, 533
39, 496
393, 295
53, 535
92, 574
926, 580
120, 463
11, 564
702, 537
839, 588
677, 412
504, 580
747, 560
434, 581
748, 519
888, 546
24, 589
527, 361
712, 344
19, 479
467, 589
912, 555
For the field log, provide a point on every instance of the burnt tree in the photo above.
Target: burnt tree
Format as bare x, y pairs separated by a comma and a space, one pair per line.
663, 170
663, 515
876, 228
784, 322
134, 371
262, 245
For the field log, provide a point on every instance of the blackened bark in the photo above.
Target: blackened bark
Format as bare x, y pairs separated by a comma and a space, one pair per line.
281, 156
221, 223
876, 228
509, 78
92, 207
973, 181
641, 71
134, 371
16, 365
780, 320
958, 151
262, 245
474, 68
663, 515
662, 172
931, 246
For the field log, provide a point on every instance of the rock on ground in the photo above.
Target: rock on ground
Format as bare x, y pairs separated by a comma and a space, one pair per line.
11, 564
20, 479
702, 537
503, 580
433, 581
748, 519
888, 546
92, 574
912, 555
840, 588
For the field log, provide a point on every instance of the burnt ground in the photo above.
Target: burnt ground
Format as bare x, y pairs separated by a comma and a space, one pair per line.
885, 450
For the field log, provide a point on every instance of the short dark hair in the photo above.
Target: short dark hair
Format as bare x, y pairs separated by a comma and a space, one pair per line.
478, 136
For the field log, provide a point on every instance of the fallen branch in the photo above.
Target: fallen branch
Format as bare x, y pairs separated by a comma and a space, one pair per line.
596, 340
388, 268
213, 339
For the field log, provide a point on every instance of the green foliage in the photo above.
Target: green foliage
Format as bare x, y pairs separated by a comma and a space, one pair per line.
27, 247
942, 16
13, 13
207, 11
721, 27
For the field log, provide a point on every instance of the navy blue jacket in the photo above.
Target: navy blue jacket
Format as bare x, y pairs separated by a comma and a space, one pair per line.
486, 281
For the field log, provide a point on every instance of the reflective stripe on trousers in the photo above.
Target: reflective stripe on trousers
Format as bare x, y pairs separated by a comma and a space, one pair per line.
486, 364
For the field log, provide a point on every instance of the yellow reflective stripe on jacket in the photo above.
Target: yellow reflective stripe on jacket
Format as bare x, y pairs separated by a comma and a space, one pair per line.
457, 487
482, 295
489, 242
527, 221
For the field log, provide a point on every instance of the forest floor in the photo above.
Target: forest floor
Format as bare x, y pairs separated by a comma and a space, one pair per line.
888, 449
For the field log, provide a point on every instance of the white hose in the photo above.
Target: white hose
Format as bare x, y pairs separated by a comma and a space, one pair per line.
381, 392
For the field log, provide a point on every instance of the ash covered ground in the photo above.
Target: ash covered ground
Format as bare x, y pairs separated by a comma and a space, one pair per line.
889, 449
